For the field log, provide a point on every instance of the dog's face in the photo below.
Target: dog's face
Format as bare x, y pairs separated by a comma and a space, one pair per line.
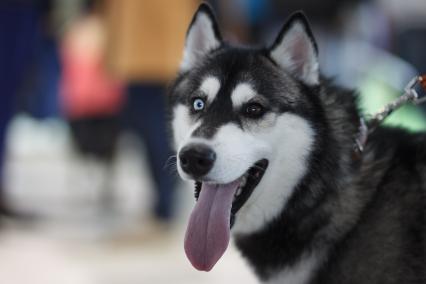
242, 124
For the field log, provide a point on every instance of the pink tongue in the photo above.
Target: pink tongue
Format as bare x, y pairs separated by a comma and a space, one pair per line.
207, 235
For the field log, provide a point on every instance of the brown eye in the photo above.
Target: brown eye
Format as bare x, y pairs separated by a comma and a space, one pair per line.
254, 110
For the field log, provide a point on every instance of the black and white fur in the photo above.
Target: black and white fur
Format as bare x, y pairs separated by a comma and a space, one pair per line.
319, 214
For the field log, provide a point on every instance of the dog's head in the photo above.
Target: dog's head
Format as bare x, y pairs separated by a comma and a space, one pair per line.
242, 120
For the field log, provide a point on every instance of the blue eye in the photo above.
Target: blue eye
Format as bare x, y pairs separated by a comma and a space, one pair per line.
198, 104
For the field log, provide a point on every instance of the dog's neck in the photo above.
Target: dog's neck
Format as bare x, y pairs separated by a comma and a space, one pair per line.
302, 231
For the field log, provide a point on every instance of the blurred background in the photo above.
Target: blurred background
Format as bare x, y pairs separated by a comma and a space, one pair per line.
88, 189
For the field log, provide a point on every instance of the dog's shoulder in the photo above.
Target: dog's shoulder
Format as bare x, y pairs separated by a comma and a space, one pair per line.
390, 234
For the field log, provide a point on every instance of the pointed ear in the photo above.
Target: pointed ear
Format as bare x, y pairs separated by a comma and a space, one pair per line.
203, 36
295, 49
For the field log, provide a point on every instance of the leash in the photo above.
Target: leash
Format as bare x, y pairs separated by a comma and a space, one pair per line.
410, 95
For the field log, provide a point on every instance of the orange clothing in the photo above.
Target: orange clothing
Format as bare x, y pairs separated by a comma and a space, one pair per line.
146, 37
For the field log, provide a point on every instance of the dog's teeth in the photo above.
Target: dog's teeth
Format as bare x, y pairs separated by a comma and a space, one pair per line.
239, 191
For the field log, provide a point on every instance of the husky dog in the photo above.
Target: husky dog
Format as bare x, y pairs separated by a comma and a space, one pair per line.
269, 144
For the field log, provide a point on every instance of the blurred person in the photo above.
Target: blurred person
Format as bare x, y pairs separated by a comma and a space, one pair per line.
20, 24
39, 92
91, 98
145, 40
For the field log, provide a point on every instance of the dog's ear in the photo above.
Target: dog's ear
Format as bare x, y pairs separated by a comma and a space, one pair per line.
203, 36
295, 49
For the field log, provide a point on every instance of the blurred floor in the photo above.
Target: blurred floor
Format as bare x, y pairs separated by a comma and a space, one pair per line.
76, 240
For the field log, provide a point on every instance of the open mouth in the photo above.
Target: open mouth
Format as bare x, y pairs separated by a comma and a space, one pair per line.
208, 233
247, 183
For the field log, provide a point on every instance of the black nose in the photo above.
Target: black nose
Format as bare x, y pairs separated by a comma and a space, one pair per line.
196, 159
